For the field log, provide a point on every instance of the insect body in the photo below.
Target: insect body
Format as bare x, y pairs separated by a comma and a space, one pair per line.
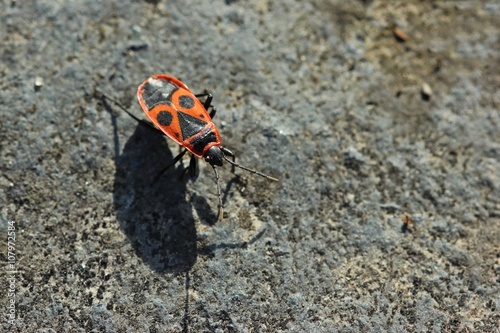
180, 115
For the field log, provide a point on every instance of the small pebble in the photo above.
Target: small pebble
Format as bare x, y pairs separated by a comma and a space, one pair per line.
400, 35
38, 83
426, 91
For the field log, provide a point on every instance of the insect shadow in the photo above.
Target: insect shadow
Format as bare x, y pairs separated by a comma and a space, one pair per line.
151, 208
150, 203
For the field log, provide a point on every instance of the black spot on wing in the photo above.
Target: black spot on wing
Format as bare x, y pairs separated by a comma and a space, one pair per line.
157, 92
186, 102
190, 125
164, 118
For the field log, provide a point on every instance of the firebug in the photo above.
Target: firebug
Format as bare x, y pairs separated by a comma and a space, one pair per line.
178, 113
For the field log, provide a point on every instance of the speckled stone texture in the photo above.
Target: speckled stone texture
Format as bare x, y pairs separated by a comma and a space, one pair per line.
381, 119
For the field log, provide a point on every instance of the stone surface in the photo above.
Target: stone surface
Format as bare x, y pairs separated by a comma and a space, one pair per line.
386, 216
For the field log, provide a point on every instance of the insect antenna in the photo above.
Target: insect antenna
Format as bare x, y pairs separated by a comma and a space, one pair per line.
250, 170
221, 208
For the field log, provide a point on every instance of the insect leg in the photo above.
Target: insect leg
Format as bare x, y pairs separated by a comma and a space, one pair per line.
203, 94
192, 166
208, 101
212, 113
209, 97
175, 160
193, 163
230, 153
221, 207
105, 97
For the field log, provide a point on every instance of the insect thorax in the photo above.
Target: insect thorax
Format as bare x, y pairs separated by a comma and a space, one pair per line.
205, 138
